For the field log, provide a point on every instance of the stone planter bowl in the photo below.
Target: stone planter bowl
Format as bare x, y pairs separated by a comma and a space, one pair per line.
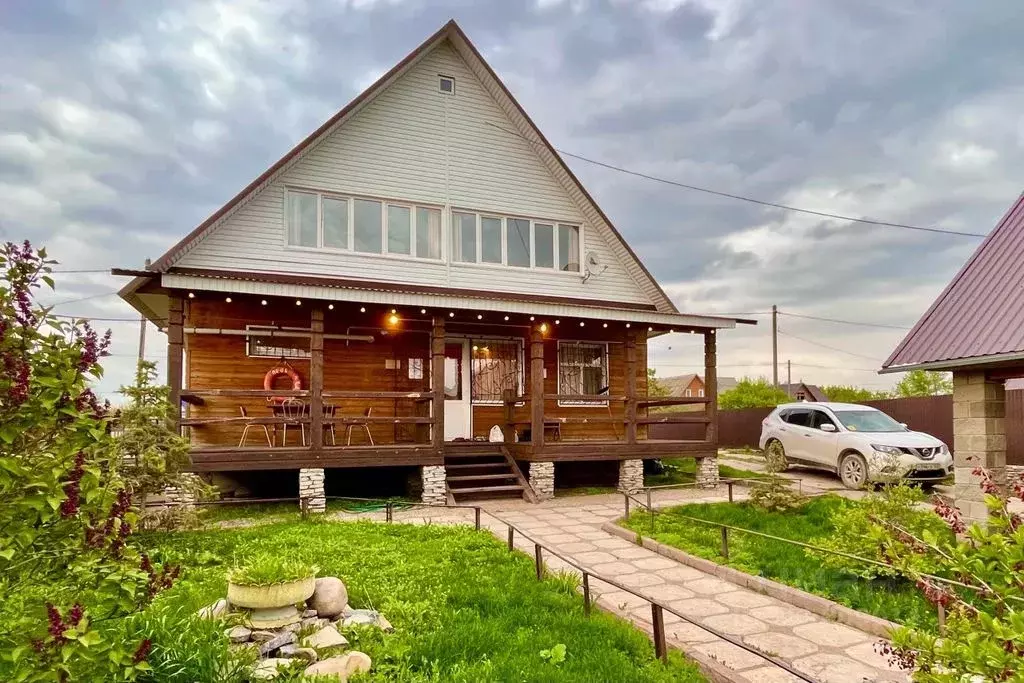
273, 595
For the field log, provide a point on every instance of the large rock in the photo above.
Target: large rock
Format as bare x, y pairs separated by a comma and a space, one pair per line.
328, 636
283, 638
366, 617
215, 611
341, 667
267, 669
238, 634
296, 652
262, 636
329, 597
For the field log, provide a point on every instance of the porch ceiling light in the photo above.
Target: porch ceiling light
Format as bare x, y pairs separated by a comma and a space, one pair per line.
298, 302
263, 302
605, 325
532, 318
543, 328
558, 322
451, 314
392, 319
506, 317
191, 295
362, 309
650, 329
627, 324
330, 307
423, 311
227, 299
479, 316
582, 323
394, 311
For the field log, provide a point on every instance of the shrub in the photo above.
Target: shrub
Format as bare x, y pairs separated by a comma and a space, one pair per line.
69, 574
775, 493
984, 635
859, 532
267, 569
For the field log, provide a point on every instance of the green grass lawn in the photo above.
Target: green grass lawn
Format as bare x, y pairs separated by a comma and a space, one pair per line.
682, 471
464, 608
286, 511
893, 599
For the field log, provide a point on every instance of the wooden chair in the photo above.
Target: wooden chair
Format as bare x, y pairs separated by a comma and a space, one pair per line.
330, 410
245, 431
293, 410
364, 425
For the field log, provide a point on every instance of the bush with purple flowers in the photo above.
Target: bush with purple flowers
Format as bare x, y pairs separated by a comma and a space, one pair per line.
69, 574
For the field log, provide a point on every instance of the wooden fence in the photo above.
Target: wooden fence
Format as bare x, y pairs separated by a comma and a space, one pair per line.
930, 414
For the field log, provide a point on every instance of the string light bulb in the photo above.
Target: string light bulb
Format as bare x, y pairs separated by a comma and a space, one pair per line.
191, 295
506, 318
362, 309
423, 311
558, 322
330, 307
479, 316
263, 302
532, 318
627, 325
451, 314
605, 325
582, 323
298, 302
227, 299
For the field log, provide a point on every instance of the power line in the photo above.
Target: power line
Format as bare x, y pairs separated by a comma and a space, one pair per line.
845, 322
831, 348
96, 270
84, 298
728, 195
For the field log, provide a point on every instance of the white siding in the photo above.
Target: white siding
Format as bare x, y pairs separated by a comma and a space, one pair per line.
413, 143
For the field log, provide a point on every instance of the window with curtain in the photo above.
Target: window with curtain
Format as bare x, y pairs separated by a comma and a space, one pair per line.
517, 237
302, 219
399, 229
335, 222
544, 240
582, 370
490, 239
428, 233
568, 248
464, 237
367, 226
496, 366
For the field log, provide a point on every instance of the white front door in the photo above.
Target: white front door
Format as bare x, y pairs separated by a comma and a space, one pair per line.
458, 410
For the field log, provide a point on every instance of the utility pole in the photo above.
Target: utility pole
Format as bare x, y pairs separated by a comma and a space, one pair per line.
142, 331
775, 346
789, 378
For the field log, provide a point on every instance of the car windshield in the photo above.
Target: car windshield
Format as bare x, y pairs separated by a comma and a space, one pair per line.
868, 421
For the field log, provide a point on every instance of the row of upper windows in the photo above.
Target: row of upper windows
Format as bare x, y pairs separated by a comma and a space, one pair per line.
372, 226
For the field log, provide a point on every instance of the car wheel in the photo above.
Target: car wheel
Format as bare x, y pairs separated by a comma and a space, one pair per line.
853, 471
775, 456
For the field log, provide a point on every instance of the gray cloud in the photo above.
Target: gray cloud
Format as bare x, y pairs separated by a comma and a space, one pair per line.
122, 125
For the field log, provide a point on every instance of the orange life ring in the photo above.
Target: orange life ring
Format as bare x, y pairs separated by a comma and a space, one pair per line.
268, 380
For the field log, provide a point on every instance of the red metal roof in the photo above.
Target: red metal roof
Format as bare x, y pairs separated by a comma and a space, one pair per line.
981, 312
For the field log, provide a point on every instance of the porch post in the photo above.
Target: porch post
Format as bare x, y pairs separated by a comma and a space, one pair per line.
979, 438
437, 383
316, 379
707, 467
537, 387
175, 353
631, 396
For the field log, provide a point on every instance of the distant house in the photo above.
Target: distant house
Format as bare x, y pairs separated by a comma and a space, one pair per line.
974, 330
800, 391
690, 385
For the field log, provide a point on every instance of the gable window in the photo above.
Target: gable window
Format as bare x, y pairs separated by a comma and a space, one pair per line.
495, 367
687, 393
582, 370
446, 85
275, 347
518, 242
370, 226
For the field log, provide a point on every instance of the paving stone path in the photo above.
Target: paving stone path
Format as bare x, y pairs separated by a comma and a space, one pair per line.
825, 650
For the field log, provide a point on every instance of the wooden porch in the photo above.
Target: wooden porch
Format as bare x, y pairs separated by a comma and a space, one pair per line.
381, 374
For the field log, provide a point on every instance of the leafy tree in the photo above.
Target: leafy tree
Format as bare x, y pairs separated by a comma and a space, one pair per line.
983, 639
924, 383
69, 573
752, 393
851, 394
153, 456
655, 388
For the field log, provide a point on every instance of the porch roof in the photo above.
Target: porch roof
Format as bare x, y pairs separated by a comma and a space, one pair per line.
153, 304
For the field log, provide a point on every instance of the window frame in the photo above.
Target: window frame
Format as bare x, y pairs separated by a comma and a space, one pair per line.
249, 340
350, 201
556, 225
606, 367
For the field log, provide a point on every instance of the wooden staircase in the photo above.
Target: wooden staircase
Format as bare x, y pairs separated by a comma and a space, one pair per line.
480, 469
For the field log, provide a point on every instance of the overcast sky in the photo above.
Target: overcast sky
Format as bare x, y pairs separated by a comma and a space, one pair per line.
124, 124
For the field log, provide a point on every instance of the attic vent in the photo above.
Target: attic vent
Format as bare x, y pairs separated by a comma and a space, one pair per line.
446, 85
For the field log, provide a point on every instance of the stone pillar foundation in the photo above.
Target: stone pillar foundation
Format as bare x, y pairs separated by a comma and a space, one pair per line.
631, 475
979, 438
707, 472
435, 485
542, 479
311, 487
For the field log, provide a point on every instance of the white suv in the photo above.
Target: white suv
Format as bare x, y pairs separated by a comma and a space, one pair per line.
858, 442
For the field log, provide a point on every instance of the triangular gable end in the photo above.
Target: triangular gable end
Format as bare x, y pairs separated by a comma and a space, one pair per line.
450, 37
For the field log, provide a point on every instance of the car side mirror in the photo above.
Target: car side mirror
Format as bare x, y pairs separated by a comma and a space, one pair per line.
904, 425
828, 427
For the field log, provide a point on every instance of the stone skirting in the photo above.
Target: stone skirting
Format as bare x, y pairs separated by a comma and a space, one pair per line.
706, 472
172, 495
542, 479
435, 485
631, 475
311, 488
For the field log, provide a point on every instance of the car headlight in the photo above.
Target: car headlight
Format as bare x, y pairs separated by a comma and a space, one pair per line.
943, 449
891, 450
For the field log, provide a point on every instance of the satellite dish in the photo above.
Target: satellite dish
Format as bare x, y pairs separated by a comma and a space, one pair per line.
592, 265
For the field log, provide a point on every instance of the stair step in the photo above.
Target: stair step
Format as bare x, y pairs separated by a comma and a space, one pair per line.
487, 489
482, 465
478, 477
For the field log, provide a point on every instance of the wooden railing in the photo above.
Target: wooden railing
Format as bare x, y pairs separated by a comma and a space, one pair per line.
629, 419
315, 421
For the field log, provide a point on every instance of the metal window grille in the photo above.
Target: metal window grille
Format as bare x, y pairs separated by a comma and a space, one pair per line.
582, 369
276, 347
496, 365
